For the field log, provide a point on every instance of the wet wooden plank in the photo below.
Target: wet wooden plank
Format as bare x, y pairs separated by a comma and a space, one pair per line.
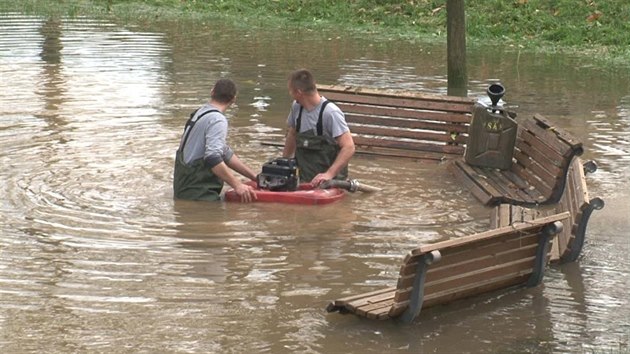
373, 309
508, 184
560, 134
534, 187
353, 298
485, 286
438, 137
398, 99
527, 162
409, 145
399, 123
517, 266
452, 273
424, 156
477, 183
352, 111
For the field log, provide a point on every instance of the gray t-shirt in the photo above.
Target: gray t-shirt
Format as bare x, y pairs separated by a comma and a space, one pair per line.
207, 139
333, 121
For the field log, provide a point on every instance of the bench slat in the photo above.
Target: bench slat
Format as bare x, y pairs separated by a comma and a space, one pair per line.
490, 272
479, 185
349, 299
372, 301
533, 147
508, 184
409, 145
404, 102
485, 286
536, 175
464, 291
410, 115
485, 268
425, 156
555, 136
397, 99
388, 122
440, 137
374, 310
526, 162
461, 258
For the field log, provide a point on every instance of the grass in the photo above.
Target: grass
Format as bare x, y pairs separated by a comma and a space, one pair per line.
598, 28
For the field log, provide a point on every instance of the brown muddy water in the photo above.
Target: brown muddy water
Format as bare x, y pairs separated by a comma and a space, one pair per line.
95, 256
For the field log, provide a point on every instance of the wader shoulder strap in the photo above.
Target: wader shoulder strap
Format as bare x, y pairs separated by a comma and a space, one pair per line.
298, 122
191, 123
320, 124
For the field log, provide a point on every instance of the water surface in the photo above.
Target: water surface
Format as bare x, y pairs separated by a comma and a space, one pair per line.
95, 255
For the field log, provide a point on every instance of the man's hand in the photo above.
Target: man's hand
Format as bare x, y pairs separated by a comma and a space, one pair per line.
245, 192
321, 178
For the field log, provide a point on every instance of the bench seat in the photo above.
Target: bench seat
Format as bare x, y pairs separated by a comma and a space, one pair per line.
446, 271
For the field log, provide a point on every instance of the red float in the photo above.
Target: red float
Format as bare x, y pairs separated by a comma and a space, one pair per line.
305, 194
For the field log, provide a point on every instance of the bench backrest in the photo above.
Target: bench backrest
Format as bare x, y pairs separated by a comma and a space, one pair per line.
404, 124
475, 264
543, 155
574, 200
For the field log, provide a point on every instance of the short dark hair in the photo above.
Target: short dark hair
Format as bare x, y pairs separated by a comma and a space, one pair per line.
302, 80
224, 91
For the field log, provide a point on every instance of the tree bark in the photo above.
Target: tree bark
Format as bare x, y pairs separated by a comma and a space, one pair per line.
456, 48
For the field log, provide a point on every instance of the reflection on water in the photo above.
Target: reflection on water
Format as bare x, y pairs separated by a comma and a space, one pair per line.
96, 255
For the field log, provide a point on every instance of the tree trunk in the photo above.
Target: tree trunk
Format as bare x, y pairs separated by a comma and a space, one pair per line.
456, 48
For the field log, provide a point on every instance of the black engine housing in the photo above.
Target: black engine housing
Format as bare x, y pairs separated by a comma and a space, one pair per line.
280, 174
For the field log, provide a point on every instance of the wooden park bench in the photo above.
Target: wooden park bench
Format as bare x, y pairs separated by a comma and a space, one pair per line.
541, 160
426, 127
575, 200
446, 271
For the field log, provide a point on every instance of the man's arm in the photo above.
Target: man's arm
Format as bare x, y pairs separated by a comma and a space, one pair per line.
289, 143
237, 165
346, 144
222, 171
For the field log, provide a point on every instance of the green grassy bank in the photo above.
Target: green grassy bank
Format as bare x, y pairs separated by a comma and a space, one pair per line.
592, 27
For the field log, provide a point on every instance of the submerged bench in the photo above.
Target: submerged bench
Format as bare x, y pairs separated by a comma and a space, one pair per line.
541, 160
575, 199
446, 271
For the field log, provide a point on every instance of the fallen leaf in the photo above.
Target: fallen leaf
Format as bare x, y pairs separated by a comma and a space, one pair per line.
594, 16
436, 10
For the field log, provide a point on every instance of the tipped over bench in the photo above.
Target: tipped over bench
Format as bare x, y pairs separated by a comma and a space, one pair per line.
446, 271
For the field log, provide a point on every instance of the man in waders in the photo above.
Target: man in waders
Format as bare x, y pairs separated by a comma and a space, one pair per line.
203, 157
318, 135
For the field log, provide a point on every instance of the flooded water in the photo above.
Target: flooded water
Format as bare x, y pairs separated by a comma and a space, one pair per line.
96, 256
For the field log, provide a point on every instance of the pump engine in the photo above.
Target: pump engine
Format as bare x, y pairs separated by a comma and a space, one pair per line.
280, 174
